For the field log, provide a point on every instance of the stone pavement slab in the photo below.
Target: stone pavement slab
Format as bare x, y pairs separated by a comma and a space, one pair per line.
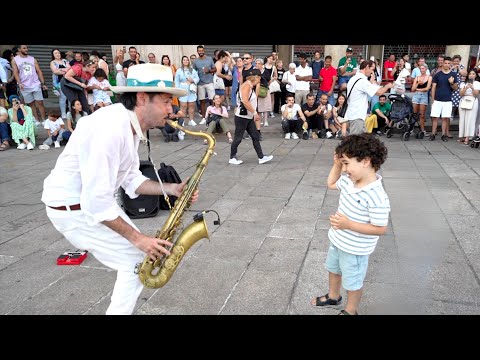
267, 255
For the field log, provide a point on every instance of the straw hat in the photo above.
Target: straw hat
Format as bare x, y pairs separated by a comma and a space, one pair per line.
150, 78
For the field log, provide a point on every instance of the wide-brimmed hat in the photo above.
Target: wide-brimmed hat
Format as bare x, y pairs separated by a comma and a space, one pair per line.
150, 78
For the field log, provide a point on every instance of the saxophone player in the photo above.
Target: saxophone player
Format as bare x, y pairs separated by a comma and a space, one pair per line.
101, 156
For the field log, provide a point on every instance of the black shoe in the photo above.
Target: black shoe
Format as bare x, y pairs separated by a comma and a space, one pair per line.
305, 135
444, 138
175, 138
167, 138
432, 137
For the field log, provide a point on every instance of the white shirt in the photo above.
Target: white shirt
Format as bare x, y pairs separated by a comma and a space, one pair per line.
367, 205
292, 111
53, 125
289, 77
101, 156
303, 71
469, 91
358, 100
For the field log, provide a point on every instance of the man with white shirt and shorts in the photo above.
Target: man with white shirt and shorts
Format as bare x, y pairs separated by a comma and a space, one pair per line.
359, 88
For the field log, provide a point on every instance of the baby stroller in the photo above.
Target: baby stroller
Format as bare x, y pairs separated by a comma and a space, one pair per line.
403, 117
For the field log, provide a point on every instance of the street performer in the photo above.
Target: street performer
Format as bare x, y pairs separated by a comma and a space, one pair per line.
101, 156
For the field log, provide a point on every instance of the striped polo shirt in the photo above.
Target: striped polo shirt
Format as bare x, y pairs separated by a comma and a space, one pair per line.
369, 204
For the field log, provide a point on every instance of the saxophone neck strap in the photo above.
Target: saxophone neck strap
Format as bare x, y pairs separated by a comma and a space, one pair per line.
144, 138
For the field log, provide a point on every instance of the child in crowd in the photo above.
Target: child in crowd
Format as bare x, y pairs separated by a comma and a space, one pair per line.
99, 85
362, 216
170, 133
55, 129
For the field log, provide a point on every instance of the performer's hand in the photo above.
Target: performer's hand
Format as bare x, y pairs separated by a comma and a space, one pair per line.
179, 189
339, 221
153, 247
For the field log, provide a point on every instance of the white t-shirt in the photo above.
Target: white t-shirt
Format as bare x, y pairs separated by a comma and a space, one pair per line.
469, 91
93, 166
358, 100
303, 71
53, 125
292, 112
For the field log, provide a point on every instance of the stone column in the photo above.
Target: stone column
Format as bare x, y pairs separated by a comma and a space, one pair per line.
175, 52
336, 52
462, 50
285, 53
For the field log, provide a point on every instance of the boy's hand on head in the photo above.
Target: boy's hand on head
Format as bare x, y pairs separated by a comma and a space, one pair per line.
337, 160
339, 221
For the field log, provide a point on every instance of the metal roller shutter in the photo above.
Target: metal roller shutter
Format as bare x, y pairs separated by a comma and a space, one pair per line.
257, 50
42, 53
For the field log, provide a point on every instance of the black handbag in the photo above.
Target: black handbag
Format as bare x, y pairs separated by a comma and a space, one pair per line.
44, 93
72, 85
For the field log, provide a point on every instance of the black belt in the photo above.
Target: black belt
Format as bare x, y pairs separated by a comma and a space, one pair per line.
72, 207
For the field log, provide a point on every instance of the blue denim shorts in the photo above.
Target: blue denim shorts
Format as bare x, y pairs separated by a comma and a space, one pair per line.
343, 79
353, 268
420, 98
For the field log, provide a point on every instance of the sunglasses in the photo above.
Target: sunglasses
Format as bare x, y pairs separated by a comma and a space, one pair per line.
246, 58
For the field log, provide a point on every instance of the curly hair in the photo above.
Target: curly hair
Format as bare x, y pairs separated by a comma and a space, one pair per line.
364, 146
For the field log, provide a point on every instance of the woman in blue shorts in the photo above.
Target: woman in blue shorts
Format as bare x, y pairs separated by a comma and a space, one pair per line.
421, 85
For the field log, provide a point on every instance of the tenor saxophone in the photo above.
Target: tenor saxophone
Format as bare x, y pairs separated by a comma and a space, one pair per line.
164, 267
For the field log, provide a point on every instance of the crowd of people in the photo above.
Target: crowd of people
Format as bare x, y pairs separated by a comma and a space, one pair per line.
87, 78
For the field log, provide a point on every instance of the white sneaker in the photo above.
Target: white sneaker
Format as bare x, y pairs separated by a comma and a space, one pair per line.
234, 161
30, 146
265, 124
181, 135
228, 108
329, 134
203, 121
57, 144
294, 136
44, 147
192, 123
287, 136
22, 146
272, 115
265, 159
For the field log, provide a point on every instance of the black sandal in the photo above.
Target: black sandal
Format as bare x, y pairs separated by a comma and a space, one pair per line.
343, 312
328, 301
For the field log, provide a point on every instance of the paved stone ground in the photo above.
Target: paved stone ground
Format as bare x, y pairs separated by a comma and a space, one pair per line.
267, 255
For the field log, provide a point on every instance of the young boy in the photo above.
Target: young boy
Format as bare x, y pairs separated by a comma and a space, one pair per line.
361, 217
55, 129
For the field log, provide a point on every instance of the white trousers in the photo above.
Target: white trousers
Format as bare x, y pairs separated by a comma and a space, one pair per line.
108, 247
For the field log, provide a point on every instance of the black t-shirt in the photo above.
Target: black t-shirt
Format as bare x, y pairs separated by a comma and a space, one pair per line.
314, 107
280, 74
443, 90
265, 78
245, 72
130, 62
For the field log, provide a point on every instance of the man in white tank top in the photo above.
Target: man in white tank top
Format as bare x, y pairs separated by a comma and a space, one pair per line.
30, 78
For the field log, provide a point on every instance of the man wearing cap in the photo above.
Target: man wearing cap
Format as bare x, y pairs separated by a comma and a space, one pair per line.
101, 156
303, 74
347, 67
